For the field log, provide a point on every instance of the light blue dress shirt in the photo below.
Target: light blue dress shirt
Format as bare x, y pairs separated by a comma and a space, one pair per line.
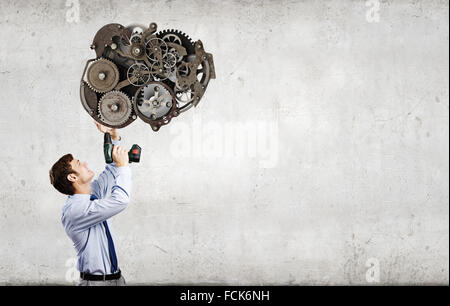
82, 218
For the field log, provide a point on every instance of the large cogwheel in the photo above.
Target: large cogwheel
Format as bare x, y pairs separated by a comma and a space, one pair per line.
114, 108
178, 37
154, 101
102, 75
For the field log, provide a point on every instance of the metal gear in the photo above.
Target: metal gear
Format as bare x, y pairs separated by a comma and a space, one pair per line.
164, 72
134, 35
114, 108
169, 60
138, 74
178, 37
189, 94
155, 47
102, 75
184, 98
160, 73
135, 39
172, 38
155, 101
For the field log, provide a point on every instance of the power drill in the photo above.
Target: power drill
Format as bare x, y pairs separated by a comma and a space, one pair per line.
134, 155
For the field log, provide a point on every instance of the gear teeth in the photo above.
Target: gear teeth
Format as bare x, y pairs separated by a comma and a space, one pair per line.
119, 93
89, 84
141, 94
93, 89
101, 59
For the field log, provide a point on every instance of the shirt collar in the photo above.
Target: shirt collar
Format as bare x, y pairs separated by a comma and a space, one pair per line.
79, 196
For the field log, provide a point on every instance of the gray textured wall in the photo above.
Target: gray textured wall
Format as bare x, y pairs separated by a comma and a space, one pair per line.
345, 109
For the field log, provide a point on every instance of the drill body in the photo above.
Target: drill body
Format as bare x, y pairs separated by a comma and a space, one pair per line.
134, 155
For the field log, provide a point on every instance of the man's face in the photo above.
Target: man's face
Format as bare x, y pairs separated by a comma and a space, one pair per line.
84, 175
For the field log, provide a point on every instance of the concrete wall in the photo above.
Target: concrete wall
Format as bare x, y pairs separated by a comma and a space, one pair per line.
319, 155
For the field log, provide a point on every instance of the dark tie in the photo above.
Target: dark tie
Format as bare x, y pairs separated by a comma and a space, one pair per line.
112, 251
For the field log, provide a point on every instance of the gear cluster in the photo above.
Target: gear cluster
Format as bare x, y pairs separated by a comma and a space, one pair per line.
139, 72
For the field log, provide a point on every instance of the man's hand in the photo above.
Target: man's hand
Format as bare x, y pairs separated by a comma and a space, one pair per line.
120, 156
104, 129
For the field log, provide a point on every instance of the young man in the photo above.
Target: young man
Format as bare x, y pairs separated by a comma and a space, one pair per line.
89, 206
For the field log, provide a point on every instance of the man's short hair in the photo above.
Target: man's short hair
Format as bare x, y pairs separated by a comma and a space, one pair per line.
59, 172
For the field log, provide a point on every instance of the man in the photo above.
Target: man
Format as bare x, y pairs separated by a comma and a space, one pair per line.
89, 206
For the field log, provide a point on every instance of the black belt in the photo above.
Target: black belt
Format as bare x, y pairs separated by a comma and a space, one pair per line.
94, 277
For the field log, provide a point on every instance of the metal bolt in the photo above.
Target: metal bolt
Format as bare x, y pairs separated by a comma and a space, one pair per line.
169, 104
114, 107
156, 88
101, 76
134, 117
113, 46
93, 46
153, 117
137, 51
154, 128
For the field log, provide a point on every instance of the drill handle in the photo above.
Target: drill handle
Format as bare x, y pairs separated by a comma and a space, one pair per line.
107, 148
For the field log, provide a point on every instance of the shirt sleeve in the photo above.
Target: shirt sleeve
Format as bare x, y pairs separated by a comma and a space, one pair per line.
102, 186
90, 213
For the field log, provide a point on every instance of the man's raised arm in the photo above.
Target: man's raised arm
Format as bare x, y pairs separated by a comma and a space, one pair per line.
101, 209
105, 181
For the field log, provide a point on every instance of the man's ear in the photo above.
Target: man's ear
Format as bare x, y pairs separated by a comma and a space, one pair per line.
72, 177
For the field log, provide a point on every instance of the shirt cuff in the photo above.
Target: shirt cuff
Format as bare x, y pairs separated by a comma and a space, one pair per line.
116, 142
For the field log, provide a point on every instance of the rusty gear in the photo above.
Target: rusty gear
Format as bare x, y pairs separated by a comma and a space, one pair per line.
156, 49
102, 75
114, 108
136, 61
178, 37
138, 74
